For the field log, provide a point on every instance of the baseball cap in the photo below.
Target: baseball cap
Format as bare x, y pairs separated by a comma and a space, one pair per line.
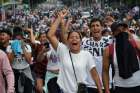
115, 25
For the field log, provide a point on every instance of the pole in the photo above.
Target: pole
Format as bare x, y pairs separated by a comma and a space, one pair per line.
14, 7
89, 3
3, 11
72, 4
29, 5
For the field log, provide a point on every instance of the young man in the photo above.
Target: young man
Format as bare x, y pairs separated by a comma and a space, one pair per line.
5, 36
95, 45
20, 56
123, 55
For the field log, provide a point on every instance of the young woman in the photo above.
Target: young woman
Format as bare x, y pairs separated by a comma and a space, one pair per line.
75, 65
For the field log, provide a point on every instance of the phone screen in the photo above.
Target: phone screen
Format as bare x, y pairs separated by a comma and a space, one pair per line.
47, 45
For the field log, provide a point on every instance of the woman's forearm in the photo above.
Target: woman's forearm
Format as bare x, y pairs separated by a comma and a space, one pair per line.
54, 27
64, 32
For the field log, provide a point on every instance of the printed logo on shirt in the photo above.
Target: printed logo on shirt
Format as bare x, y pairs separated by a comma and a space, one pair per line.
96, 48
54, 58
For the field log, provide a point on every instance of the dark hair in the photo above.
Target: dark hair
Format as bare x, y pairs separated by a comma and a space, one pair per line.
7, 31
105, 30
69, 33
95, 20
115, 25
17, 31
41, 33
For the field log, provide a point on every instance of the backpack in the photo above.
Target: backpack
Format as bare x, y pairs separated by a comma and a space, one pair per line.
111, 54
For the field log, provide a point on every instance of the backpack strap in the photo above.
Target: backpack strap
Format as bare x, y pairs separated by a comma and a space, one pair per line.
111, 49
111, 59
133, 42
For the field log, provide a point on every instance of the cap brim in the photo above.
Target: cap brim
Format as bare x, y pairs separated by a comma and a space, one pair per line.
122, 24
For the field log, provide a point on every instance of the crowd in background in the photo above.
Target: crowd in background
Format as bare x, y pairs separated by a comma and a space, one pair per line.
37, 45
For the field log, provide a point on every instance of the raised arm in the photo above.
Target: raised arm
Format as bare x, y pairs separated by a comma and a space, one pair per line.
64, 27
32, 37
64, 32
105, 72
51, 34
27, 54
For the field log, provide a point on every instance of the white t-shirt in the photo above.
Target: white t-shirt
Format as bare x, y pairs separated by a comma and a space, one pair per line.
83, 63
96, 49
53, 60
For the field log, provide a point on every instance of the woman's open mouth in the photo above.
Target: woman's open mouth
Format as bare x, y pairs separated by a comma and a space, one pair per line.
74, 44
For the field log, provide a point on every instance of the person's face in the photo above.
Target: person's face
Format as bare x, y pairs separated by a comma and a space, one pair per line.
74, 42
43, 38
96, 29
108, 23
129, 17
4, 37
85, 29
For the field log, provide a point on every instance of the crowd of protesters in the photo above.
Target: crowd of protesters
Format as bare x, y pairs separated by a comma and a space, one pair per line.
60, 50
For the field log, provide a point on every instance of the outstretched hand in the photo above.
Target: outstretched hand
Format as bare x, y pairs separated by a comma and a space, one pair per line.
29, 30
62, 14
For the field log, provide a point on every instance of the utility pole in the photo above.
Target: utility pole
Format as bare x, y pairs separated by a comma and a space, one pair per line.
14, 7
3, 11
72, 2
29, 4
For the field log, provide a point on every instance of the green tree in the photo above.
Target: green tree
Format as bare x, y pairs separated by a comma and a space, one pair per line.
132, 2
5, 1
26, 1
